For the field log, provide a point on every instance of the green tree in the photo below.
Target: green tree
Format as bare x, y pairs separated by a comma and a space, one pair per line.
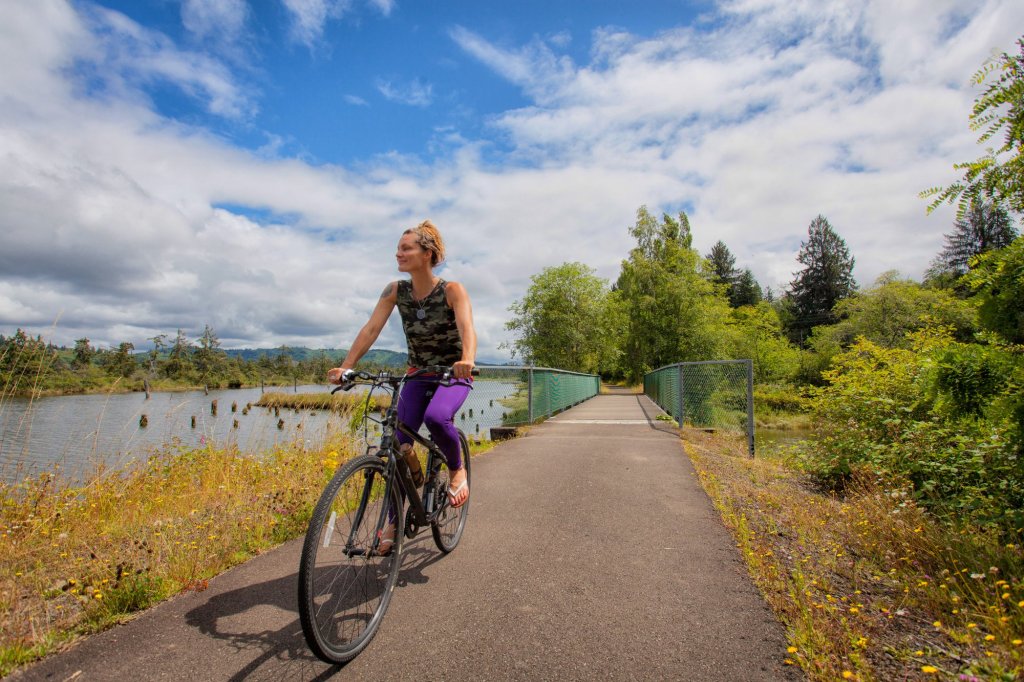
26, 363
179, 357
673, 312
985, 226
722, 264
756, 334
998, 282
826, 279
745, 290
208, 358
894, 308
121, 362
560, 320
83, 354
998, 111
159, 346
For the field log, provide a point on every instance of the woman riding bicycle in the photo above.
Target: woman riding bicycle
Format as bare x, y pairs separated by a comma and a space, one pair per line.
438, 321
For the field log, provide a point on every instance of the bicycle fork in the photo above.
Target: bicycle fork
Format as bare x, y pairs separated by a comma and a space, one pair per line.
352, 547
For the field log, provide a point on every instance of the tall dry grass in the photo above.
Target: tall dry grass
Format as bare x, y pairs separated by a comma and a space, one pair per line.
75, 559
868, 585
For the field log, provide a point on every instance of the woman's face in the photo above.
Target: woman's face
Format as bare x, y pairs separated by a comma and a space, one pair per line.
410, 255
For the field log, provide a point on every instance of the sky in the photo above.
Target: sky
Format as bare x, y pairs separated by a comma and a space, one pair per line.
251, 165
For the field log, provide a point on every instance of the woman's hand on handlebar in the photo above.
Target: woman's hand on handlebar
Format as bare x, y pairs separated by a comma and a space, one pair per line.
463, 369
339, 375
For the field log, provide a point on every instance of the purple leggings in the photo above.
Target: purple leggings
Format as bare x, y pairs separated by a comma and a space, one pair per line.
427, 402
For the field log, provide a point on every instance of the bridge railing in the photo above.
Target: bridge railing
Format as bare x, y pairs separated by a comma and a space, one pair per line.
709, 394
504, 396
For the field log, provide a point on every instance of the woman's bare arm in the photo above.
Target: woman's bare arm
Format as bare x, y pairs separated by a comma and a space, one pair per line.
369, 333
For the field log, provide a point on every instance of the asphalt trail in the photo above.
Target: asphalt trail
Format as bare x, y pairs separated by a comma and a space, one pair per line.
591, 553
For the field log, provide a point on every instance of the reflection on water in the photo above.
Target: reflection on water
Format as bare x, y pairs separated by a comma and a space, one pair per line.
82, 431
772, 439
79, 432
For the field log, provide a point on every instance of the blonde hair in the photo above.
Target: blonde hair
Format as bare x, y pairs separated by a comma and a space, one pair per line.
429, 239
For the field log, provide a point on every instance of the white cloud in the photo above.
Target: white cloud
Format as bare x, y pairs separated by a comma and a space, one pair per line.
385, 7
414, 93
114, 220
356, 100
220, 19
309, 17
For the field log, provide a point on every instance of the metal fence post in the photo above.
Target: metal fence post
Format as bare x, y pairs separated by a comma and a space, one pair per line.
682, 406
529, 394
750, 406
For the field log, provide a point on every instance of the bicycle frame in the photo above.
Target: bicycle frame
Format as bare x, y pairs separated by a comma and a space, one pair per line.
422, 511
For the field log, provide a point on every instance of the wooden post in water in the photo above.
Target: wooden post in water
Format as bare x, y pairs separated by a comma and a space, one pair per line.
143, 421
213, 407
193, 421
145, 386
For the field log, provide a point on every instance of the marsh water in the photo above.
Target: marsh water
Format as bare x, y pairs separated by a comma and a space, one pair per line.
80, 432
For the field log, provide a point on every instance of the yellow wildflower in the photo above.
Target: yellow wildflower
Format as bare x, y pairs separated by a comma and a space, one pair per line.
791, 650
930, 669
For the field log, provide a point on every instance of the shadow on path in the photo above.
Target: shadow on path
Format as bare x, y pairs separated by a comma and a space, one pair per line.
280, 650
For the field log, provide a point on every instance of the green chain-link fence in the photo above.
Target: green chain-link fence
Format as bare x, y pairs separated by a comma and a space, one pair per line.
514, 396
711, 394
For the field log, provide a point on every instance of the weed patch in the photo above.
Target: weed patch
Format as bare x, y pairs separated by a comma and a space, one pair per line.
869, 585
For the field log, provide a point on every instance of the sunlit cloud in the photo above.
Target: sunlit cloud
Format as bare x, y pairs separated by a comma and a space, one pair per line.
114, 217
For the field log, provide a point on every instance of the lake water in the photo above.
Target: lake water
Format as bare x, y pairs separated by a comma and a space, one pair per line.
78, 432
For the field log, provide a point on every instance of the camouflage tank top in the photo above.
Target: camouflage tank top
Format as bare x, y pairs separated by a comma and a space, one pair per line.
429, 327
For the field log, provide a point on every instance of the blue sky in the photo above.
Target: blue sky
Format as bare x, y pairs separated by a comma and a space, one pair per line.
168, 164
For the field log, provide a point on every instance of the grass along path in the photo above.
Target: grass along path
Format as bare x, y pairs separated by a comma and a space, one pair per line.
868, 585
76, 560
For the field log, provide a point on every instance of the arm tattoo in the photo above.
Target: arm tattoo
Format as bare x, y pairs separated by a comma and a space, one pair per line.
387, 290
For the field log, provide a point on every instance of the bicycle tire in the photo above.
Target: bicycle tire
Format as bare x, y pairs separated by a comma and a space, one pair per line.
344, 589
448, 526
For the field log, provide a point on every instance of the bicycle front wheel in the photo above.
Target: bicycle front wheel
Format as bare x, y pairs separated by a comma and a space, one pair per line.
345, 580
447, 527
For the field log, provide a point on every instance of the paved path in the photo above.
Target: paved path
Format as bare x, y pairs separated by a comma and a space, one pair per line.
591, 552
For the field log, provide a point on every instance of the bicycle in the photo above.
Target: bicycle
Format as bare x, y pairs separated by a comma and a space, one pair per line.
345, 579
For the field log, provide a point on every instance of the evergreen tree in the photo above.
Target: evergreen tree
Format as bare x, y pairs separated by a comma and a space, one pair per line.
121, 362
179, 357
209, 358
826, 279
983, 227
84, 354
745, 290
722, 264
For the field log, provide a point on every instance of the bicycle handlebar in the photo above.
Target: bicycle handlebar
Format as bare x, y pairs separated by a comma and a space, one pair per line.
444, 372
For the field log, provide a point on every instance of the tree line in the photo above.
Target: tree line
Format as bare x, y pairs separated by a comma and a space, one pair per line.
29, 364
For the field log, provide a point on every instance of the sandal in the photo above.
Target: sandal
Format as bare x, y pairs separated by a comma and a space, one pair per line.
384, 544
453, 494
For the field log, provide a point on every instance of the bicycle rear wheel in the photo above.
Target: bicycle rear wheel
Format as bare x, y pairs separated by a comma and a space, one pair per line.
344, 582
447, 527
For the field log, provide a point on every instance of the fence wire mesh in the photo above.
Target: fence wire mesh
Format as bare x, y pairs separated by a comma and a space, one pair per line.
515, 396
712, 394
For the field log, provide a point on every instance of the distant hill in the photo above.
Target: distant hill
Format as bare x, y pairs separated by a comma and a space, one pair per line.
387, 358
